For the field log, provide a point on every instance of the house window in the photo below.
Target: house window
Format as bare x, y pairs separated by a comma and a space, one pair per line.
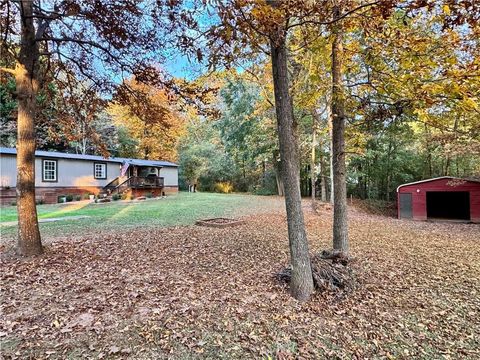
99, 170
49, 172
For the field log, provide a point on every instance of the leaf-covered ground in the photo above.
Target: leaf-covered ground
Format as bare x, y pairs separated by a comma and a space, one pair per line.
196, 292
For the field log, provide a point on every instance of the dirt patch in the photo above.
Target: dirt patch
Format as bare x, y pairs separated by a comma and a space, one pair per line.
219, 222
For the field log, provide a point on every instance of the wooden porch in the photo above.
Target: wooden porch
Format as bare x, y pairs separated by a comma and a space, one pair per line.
135, 182
136, 178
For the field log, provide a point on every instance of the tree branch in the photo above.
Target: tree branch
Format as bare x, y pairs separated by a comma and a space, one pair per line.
8, 70
78, 41
330, 22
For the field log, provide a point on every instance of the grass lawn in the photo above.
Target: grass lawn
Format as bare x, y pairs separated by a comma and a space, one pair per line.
182, 209
191, 292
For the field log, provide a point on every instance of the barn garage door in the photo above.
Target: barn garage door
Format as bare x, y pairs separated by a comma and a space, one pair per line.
405, 206
448, 205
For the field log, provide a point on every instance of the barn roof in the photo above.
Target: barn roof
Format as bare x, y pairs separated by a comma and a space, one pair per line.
59, 155
438, 178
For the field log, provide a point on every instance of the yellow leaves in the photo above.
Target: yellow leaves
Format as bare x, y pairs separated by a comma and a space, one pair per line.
446, 9
56, 323
470, 103
266, 14
148, 114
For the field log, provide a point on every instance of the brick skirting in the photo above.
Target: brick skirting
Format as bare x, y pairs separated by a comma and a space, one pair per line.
167, 190
50, 195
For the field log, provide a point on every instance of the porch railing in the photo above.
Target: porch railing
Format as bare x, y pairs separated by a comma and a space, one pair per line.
136, 182
146, 181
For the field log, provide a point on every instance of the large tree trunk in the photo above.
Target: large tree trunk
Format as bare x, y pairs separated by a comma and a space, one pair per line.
26, 77
340, 225
301, 285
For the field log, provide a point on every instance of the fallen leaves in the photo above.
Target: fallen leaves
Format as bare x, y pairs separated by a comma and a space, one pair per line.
208, 293
84, 320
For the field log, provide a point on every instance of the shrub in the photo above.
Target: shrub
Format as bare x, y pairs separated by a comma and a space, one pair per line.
78, 197
223, 187
60, 198
149, 195
116, 197
86, 196
124, 196
13, 203
40, 202
132, 197
69, 198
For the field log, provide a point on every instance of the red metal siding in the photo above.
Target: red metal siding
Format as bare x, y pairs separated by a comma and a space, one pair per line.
419, 195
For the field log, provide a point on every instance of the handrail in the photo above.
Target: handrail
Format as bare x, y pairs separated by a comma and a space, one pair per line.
109, 185
139, 182
128, 179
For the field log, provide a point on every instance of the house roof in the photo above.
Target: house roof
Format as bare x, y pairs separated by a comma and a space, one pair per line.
437, 178
59, 155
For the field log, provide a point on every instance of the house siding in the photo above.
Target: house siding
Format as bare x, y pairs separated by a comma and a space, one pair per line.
8, 170
70, 173
170, 176
75, 173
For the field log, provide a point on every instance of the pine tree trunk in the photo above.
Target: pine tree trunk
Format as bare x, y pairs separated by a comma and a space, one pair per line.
26, 77
448, 155
323, 187
330, 131
301, 285
312, 161
278, 178
278, 173
340, 225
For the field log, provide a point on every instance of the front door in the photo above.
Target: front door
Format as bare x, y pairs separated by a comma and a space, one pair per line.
405, 206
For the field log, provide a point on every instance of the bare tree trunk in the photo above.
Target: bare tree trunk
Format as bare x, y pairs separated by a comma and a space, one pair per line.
429, 169
278, 178
448, 156
278, 173
321, 170
26, 73
84, 138
330, 131
340, 225
312, 159
323, 188
301, 285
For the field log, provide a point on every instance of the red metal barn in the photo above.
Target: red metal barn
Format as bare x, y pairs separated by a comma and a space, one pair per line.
440, 198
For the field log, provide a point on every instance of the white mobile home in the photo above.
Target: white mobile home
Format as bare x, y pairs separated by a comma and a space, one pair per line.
59, 174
